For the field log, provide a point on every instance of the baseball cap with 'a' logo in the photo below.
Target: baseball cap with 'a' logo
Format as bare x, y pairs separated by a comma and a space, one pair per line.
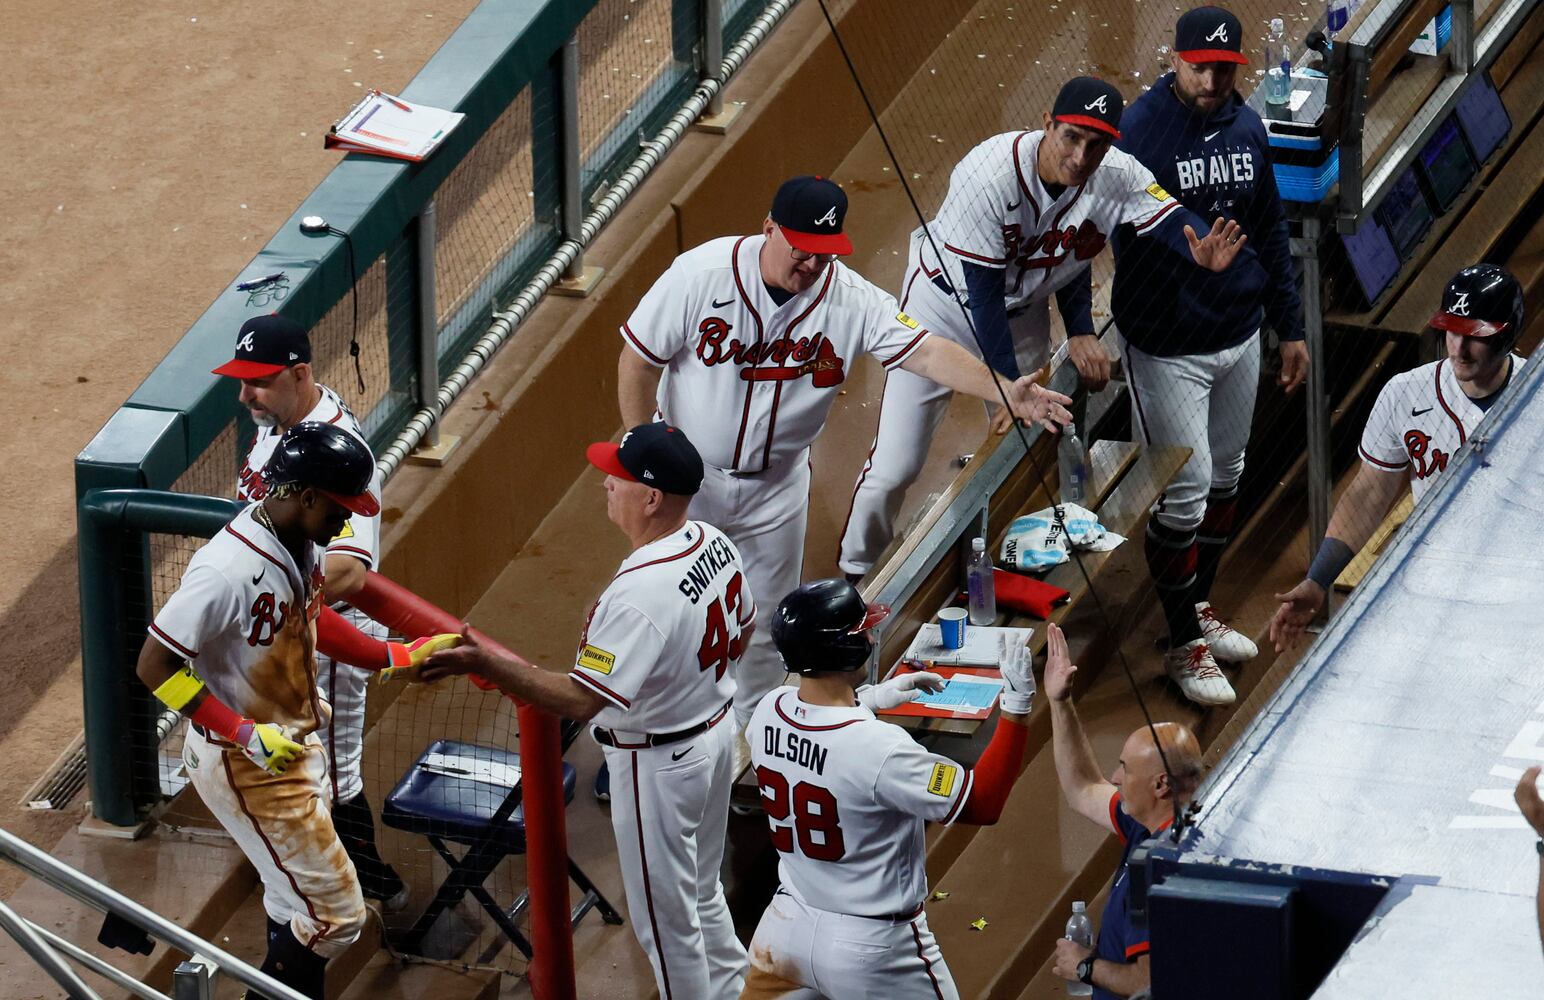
1209, 34
1090, 102
656, 455
810, 211
266, 346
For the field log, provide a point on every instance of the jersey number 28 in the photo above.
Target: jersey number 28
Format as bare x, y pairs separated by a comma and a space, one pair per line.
806, 812
719, 648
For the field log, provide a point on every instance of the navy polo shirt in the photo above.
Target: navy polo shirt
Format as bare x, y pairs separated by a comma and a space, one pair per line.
1119, 940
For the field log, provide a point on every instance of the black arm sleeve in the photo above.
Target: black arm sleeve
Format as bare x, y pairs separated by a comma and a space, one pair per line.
987, 286
1075, 299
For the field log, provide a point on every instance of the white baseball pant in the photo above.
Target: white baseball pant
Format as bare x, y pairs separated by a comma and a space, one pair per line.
283, 824
670, 812
1204, 402
806, 953
345, 687
911, 409
765, 514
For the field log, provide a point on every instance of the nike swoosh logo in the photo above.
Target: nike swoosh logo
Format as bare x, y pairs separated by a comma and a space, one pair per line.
726, 302
259, 575
1415, 413
1015, 206
680, 753
1212, 136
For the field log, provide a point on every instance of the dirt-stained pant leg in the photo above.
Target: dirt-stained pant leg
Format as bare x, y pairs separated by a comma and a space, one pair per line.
824, 954
284, 827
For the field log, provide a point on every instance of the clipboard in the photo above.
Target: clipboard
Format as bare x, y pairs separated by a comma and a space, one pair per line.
970, 705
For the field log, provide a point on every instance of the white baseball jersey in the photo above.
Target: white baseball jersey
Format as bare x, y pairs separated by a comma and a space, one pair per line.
749, 381
245, 615
1421, 418
999, 214
361, 536
662, 640
846, 796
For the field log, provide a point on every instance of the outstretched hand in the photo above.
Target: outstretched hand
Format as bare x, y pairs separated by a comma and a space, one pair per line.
1216, 250
1035, 404
470, 657
1058, 665
1299, 607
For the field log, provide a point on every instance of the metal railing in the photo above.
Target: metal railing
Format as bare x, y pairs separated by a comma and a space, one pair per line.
193, 979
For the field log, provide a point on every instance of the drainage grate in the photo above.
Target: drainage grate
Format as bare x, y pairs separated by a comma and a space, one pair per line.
59, 786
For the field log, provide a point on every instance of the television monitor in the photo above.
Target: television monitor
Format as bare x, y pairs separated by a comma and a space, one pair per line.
1373, 258
1405, 214
1483, 118
1447, 165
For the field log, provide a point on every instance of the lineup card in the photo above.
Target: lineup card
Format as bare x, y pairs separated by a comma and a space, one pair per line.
969, 693
964, 691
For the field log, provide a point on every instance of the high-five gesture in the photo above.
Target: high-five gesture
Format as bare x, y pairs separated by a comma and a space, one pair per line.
1058, 665
1216, 250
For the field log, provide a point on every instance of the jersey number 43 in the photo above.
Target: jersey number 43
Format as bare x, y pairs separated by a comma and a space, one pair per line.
805, 813
719, 647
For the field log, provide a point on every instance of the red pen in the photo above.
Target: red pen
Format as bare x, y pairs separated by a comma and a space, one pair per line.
394, 101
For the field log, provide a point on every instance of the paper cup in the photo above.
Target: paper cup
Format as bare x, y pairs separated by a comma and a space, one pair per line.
951, 622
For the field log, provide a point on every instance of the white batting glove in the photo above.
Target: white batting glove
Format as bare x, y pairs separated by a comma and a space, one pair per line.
1018, 674
897, 691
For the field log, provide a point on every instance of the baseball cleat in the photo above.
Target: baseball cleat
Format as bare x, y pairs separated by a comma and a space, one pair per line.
603, 783
1225, 642
1191, 667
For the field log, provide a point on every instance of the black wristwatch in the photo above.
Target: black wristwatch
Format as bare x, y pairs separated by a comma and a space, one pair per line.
1086, 971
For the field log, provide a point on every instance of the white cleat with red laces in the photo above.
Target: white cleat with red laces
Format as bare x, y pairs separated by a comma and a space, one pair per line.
1191, 667
1226, 644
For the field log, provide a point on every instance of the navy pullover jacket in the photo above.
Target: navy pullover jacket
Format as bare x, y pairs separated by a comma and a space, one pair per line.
1218, 165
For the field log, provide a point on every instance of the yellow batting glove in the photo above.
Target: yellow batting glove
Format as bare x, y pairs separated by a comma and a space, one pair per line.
266, 746
405, 659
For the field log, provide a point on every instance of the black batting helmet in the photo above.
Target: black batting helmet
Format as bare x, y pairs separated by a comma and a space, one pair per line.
1483, 300
821, 627
328, 459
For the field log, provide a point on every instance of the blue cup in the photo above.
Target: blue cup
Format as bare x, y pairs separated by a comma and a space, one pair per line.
951, 622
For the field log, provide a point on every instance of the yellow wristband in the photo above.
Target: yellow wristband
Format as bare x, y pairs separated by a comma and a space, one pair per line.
179, 689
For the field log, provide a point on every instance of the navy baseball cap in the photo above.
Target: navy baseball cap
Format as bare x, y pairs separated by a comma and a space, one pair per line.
810, 211
266, 346
1209, 34
656, 455
1090, 102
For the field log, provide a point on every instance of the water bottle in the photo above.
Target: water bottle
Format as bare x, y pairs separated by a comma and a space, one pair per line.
983, 593
1072, 462
1336, 16
1082, 932
1278, 62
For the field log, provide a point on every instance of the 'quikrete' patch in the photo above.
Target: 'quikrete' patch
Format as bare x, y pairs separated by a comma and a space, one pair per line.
596, 659
1157, 191
941, 782
906, 320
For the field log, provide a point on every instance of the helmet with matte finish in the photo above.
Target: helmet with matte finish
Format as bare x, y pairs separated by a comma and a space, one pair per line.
326, 458
1483, 300
823, 627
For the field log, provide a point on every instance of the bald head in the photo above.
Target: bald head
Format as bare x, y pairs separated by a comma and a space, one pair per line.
1142, 763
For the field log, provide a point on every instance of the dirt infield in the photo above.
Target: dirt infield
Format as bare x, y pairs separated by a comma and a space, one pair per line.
154, 149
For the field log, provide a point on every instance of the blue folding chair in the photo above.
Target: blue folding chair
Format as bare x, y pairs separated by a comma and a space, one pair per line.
469, 794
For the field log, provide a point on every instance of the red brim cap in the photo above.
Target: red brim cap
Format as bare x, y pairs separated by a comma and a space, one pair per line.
1089, 122
603, 455
366, 503
874, 614
1213, 55
247, 369
836, 243
1464, 326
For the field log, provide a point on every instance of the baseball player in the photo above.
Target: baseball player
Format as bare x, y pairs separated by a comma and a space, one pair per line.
847, 795
744, 343
1421, 418
1190, 337
273, 362
233, 649
656, 672
1138, 801
1025, 215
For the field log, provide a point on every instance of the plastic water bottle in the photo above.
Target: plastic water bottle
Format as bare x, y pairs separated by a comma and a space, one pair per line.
1082, 932
1336, 16
1072, 462
1278, 62
983, 593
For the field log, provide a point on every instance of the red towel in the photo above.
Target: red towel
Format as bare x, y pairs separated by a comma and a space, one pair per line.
1026, 594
